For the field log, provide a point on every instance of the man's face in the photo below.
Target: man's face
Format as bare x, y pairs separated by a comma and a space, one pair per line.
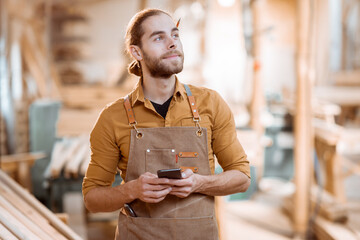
161, 46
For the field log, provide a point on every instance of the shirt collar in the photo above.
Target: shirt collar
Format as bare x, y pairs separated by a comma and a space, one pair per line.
138, 92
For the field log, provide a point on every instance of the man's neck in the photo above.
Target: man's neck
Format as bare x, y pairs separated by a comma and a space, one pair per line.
158, 90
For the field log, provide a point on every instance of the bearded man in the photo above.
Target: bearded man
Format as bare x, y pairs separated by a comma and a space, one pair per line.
163, 124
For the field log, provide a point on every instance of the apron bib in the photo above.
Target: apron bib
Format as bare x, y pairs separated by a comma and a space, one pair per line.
175, 218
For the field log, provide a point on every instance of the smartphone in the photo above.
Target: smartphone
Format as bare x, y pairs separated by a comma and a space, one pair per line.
170, 173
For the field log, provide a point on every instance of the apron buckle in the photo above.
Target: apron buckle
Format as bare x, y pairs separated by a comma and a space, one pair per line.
199, 132
138, 133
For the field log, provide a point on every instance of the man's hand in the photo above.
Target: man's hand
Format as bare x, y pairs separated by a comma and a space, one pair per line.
151, 189
185, 186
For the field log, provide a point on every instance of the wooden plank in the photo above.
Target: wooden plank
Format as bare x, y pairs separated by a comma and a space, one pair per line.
73, 166
16, 227
23, 219
6, 234
67, 154
85, 163
64, 217
55, 155
257, 103
303, 138
30, 212
21, 157
33, 202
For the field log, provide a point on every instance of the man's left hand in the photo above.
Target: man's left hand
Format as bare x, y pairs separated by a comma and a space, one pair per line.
185, 186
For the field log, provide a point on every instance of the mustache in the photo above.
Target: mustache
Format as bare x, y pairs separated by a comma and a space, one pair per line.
174, 52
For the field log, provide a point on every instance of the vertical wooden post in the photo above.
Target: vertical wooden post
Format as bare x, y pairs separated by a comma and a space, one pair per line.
143, 4
48, 55
257, 98
303, 139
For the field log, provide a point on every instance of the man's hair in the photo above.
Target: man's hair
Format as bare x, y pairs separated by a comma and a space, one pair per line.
134, 33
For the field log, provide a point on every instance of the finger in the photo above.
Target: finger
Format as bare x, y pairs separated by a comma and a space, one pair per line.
158, 181
179, 194
187, 173
157, 194
153, 179
180, 183
181, 189
158, 187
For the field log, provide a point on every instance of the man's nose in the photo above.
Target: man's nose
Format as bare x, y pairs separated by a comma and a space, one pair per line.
172, 43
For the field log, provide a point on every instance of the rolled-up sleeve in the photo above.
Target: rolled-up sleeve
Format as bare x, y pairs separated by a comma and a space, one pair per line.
105, 155
227, 148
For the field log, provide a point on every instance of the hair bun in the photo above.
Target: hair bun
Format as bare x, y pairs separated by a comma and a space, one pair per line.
134, 68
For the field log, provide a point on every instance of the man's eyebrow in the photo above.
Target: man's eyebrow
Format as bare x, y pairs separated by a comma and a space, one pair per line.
162, 32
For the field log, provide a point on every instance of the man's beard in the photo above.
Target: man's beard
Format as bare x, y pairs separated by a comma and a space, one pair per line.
161, 67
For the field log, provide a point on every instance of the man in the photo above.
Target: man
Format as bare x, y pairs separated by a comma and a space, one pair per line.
163, 124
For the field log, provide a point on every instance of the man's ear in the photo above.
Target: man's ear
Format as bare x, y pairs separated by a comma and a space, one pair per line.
136, 52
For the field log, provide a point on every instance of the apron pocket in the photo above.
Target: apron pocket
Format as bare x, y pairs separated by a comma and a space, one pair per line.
156, 159
130, 228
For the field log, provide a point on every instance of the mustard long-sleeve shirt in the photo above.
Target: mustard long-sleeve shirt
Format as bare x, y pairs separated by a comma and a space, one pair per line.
110, 137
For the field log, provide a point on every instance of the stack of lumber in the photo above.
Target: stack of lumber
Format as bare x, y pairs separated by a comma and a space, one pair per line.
22, 216
71, 156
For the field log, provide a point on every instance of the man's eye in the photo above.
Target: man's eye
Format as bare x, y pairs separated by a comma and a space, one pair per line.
158, 38
176, 35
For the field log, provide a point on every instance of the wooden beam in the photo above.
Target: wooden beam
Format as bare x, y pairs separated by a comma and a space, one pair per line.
33, 202
257, 98
5, 233
72, 167
29, 212
22, 157
19, 216
15, 226
303, 139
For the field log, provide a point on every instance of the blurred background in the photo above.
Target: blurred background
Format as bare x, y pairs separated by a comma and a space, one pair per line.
289, 69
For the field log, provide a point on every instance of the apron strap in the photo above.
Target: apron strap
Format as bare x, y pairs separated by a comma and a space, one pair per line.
193, 107
129, 111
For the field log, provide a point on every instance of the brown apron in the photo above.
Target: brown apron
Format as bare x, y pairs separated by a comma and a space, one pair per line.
173, 218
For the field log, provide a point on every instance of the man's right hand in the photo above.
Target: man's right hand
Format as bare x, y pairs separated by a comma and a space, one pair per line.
151, 189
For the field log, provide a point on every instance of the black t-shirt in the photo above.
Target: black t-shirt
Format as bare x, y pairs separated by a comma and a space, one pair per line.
162, 109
